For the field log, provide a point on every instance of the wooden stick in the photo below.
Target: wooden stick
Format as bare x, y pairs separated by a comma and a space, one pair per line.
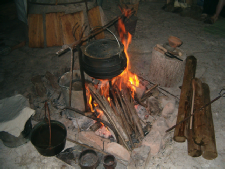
71, 77
189, 74
160, 88
192, 103
209, 146
134, 114
49, 124
104, 105
148, 93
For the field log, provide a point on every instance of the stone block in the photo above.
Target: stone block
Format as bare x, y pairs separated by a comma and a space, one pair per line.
118, 150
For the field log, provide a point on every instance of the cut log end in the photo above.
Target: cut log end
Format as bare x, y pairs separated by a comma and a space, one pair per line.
179, 138
195, 153
209, 155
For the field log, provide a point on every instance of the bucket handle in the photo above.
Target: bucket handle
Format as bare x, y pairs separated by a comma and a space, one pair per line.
49, 123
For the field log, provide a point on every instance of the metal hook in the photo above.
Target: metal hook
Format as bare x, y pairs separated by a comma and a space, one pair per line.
222, 94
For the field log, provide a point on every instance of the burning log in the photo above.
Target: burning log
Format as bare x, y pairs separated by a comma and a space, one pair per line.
209, 147
133, 112
185, 97
104, 105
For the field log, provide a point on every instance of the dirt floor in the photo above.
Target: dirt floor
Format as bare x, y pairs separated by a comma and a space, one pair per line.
154, 26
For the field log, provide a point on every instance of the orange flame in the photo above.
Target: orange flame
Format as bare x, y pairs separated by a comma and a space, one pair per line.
90, 104
100, 113
105, 126
126, 75
108, 99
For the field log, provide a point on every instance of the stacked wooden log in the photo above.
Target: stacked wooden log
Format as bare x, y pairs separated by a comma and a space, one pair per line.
199, 128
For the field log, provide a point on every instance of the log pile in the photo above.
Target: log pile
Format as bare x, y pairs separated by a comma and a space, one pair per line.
194, 120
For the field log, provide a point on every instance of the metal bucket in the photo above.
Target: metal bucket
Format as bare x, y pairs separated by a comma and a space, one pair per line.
77, 100
40, 138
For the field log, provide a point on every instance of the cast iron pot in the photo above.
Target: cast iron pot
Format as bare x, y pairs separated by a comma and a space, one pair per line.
40, 138
104, 59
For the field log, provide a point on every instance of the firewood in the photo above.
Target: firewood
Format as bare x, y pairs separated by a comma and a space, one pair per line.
194, 150
126, 125
199, 116
134, 113
123, 124
104, 105
126, 112
117, 115
95, 126
209, 146
189, 74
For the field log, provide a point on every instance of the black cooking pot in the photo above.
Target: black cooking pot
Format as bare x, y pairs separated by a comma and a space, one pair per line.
40, 137
104, 59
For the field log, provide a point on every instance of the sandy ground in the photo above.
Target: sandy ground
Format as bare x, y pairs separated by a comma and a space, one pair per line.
154, 26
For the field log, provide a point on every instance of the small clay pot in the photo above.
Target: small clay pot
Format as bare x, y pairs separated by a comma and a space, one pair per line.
88, 159
109, 162
174, 41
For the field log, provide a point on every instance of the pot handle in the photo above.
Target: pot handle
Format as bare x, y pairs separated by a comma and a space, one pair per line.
112, 34
115, 37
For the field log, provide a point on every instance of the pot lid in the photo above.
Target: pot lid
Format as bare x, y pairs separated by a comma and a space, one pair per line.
103, 49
